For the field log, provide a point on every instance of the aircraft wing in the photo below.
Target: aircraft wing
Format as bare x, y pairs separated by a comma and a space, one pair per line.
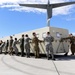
42, 6
62, 4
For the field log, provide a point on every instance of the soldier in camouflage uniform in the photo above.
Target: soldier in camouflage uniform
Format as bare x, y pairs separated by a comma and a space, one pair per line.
27, 45
15, 46
10, 45
1, 46
6, 46
35, 42
72, 42
22, 45
48, 43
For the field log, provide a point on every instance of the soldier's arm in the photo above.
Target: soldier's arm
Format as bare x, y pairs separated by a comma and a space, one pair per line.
18, 42
40, 40
65, 38
30, 40
52, 38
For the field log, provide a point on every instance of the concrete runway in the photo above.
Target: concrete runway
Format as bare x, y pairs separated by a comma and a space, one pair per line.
16, 65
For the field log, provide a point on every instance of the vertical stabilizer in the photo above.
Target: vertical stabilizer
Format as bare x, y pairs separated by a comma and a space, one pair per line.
48, 2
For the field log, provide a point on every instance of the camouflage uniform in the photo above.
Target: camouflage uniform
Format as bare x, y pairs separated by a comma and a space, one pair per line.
6, 46
22, 46
27, 46
10, 46
72, 45
36, 41
49, 48
15, 47
72, 42
1, 46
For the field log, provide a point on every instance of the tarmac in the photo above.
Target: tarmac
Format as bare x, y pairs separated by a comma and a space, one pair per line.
17, 65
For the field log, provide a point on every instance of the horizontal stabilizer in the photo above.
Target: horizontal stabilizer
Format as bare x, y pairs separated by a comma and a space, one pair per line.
62, 4
42, 6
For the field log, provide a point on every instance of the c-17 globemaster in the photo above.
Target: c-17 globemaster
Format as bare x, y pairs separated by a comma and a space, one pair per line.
48, 7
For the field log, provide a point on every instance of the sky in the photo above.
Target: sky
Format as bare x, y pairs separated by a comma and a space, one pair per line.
16, 19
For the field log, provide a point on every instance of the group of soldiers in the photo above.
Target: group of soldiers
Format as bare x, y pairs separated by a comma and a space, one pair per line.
24, 42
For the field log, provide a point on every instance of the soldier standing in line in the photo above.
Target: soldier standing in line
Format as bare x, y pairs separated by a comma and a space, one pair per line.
1, 46
36, 41
6, 46
72, 42
11, 46
27, 45
22, 45
15, 47
48, 43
